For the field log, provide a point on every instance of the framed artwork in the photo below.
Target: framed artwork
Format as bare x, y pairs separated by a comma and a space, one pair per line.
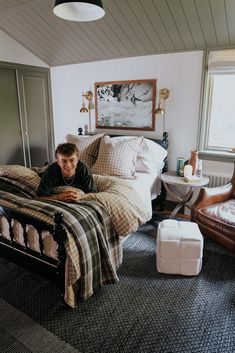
126, 105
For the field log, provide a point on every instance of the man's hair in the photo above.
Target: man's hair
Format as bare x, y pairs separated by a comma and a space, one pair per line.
67, 149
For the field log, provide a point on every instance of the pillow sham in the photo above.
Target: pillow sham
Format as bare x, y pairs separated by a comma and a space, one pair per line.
22, 174
88, 147
150, 155
117, 158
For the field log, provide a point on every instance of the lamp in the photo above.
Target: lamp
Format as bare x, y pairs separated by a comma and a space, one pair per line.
83, 108
81, 11
87, 95
164, 93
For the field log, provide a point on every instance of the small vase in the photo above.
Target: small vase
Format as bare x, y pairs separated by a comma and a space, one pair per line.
193, 160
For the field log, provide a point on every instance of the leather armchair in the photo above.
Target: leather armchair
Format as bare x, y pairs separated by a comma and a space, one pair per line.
214, 212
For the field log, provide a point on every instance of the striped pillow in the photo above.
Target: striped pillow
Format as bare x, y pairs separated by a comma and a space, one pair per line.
117, 158
88, 147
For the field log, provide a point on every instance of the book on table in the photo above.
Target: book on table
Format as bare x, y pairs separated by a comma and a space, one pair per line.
192, 179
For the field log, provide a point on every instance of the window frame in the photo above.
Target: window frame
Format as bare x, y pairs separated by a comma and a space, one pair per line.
206, 152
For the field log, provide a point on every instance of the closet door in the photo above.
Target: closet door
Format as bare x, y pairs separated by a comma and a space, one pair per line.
36, 116
11, 144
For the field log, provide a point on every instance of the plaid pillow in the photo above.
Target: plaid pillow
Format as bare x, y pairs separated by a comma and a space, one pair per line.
117, 158
150, 156
88, 147
22, 174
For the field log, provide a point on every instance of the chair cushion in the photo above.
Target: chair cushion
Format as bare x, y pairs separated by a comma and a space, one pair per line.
219, 218
218, 222
223, 212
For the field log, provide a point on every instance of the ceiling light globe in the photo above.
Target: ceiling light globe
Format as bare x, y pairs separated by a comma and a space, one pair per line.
80, 11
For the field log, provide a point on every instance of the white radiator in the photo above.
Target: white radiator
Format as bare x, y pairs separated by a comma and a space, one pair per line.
217, 180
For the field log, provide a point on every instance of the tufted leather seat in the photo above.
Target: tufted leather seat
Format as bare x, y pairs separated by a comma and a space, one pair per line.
214, 212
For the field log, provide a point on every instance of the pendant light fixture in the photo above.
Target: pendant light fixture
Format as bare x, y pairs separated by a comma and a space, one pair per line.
80, 11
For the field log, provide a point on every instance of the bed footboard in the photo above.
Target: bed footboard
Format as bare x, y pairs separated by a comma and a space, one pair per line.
60, 236
33, 243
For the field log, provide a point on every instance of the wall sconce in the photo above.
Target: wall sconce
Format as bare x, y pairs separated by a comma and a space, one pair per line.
164, 93
87, 95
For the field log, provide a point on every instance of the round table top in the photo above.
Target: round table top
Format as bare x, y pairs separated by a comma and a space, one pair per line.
173, 179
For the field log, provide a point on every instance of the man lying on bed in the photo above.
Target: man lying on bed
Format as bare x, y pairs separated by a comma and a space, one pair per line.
68, 170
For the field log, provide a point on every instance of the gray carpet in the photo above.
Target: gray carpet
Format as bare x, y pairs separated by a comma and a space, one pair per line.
146, 312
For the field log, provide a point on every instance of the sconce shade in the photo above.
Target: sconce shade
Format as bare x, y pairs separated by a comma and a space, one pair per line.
80, 11
160, 110
83, 109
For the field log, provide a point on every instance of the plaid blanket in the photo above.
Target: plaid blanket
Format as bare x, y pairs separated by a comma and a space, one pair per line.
94, 251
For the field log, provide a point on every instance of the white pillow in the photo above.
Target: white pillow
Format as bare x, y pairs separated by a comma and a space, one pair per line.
88, 147
117, 158
150, 155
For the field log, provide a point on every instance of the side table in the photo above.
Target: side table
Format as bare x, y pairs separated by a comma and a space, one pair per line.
170, 179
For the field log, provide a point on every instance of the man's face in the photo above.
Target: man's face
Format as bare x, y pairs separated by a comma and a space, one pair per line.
67, 164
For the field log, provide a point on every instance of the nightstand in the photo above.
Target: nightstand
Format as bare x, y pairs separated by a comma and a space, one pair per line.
171, 179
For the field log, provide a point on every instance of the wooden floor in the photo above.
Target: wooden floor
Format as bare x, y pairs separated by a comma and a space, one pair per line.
169, 206
180, 215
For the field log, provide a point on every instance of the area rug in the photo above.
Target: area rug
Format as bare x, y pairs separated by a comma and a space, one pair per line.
145, 312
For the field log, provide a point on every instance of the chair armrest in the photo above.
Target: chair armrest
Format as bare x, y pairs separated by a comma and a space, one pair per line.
211, 196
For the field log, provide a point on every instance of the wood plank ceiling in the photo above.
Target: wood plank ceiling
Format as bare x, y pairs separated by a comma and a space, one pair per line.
129, 28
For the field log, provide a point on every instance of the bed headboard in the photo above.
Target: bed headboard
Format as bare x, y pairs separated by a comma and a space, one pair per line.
164, 142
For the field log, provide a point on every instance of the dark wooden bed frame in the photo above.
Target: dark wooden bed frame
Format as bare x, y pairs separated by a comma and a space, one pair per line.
39, 262
31, 259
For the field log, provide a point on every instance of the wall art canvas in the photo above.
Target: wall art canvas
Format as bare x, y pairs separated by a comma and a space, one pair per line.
125, 104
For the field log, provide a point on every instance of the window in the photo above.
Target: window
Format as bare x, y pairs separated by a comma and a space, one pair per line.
217, 137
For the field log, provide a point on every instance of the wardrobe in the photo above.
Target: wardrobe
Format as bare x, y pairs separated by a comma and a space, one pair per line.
26, 122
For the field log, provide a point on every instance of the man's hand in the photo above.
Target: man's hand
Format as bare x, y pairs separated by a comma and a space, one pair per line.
69, 196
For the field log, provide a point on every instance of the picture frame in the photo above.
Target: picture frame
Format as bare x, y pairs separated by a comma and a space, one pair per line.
126, 105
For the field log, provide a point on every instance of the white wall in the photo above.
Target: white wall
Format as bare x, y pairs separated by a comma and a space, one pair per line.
12, 51
180, 72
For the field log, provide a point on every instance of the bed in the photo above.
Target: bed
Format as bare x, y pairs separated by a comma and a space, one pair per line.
82, 241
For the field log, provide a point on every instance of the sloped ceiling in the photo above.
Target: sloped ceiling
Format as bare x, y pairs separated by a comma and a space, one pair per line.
129, 28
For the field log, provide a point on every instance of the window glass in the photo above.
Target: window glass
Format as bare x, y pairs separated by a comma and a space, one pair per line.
217, 129
221, 131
